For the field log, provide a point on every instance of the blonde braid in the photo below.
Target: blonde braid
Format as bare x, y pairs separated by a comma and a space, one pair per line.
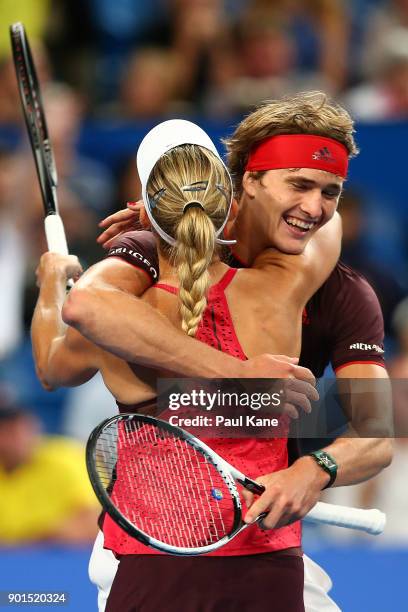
194, 251
190, 191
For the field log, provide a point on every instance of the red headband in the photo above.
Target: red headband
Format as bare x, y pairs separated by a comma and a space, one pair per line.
299, 151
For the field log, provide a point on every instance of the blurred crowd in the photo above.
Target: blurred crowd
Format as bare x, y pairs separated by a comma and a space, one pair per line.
133, 62
143, 60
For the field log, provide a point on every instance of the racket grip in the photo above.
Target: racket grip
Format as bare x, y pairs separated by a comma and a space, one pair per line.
55, 234
370, 521
56, 240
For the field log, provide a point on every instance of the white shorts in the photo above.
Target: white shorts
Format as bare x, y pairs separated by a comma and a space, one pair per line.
103, 565
317, 587
102, 570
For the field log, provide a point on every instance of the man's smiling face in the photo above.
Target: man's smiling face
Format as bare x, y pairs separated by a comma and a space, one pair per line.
294, 204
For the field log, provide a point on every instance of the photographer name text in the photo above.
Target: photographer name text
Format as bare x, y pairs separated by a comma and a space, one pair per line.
246, 420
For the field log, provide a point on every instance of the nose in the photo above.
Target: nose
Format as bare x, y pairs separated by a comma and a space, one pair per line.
312, 203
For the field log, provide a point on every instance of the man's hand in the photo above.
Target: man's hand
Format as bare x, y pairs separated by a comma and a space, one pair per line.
289, 494
60, 266
124, 220
298, 388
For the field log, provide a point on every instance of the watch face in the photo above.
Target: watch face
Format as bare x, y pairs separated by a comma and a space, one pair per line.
327, 464
327, 461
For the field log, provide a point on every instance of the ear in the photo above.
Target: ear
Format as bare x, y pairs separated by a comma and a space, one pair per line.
249, 184
144, 219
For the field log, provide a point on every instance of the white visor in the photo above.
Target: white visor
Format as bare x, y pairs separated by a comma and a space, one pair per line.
156, 143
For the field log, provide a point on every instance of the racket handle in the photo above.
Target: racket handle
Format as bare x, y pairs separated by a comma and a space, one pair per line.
56, 240
55, 234
251, 485
370, 521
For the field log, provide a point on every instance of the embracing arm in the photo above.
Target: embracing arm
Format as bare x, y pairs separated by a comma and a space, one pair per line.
322, 253
319, 258
62, 356
104, 307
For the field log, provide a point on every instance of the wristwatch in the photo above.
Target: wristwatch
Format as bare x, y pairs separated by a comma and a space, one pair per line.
327, 463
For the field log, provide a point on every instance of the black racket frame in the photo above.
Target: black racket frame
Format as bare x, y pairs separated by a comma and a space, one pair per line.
33, 110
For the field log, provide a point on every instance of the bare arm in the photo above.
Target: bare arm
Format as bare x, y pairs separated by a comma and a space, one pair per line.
104, 307
291, 493
369, 408
321, 254
62, 356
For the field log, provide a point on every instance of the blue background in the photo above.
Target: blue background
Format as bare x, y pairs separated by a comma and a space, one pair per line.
365, 579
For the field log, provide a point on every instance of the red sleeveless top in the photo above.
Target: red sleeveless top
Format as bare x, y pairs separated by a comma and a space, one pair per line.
252, 456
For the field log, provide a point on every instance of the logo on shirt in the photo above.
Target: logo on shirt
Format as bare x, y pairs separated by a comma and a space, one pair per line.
362, 346
138, 256
323, 155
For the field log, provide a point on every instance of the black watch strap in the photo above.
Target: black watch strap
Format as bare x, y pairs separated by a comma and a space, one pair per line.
327, 463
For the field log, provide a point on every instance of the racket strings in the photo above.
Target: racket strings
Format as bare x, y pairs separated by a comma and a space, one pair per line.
177, 463
164, 486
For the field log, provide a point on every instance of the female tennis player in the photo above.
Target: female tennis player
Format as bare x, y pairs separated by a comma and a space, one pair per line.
188, 201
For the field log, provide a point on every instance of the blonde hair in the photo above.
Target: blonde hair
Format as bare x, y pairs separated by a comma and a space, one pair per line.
190, 191
304, 113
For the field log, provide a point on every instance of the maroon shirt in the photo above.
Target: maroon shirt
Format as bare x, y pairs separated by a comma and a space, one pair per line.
342, 322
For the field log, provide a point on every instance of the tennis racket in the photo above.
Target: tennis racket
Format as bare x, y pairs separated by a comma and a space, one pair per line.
33, 110
171, 491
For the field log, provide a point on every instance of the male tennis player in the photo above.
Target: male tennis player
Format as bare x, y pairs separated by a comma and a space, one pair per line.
287, 193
